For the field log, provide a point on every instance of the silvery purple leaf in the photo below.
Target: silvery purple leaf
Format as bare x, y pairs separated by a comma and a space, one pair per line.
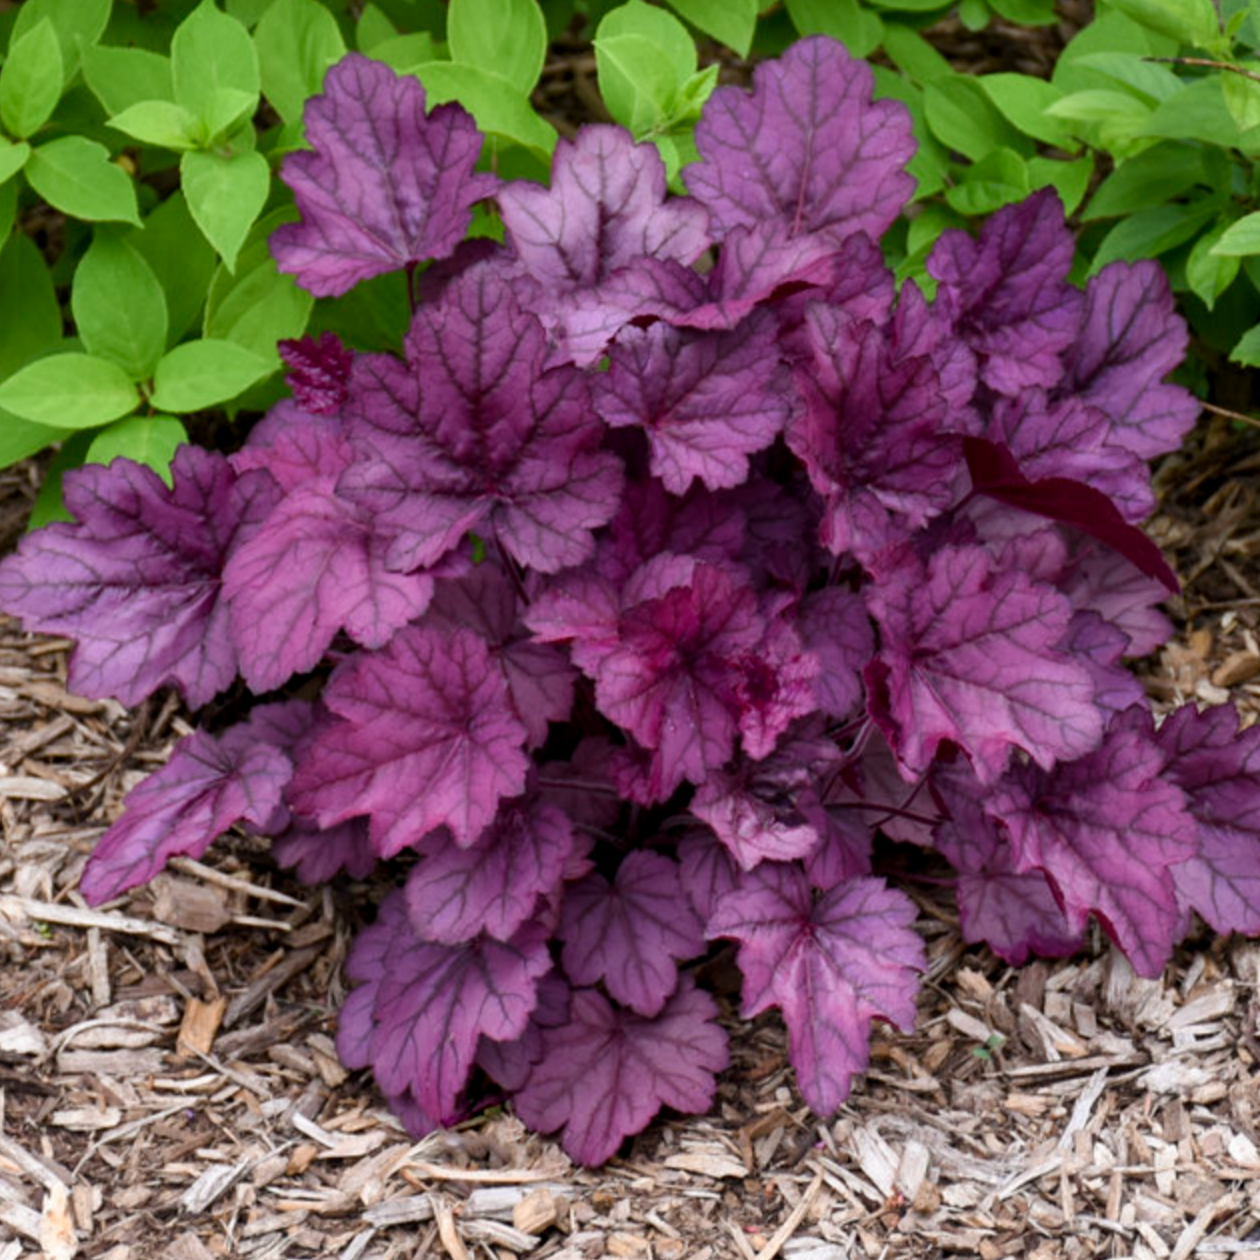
384, 186
835, 627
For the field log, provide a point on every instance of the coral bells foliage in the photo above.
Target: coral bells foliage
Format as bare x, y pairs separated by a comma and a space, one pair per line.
673, 559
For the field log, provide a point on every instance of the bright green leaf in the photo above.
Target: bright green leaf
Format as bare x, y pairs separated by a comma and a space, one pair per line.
1247, 351
200, 374
30, 86
8, 205
1240, 239
637, 84
1023, 100
160, 123
19, 439
658, 26
1153, 176
912, 6
210, 51
75, 175
258, 306
509, 36
297, 40
1196, 112
122, 77
730, 22
149, 440
1242, 99
860, 30
1069, 179
1149, 80
69, 391
229, 109
962, 117
372, 28
406, 53
1026, 12
1149, 233
998, 179
78, 24
180, 257
974, 14
1209, 274
493, 102
48, 503
12, 159
225, 195
30, 315
1188, 21
118, 305
248, 12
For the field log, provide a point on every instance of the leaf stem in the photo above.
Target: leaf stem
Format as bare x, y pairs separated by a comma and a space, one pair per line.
1207, 63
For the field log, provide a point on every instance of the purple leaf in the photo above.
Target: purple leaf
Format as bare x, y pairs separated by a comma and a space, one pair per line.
631, 933
871, 436
386, 186
1217, 766
1014, 914
1130, 338
968, 654
510, 1062
492, 885
807, 148
706, 401
1105, 830
773, 686
708, 872
1008, 294
1103, 581
429, 711
1098, 646
995, 473
835, 627
606, 208
135, 580
473, 434
830, 965
207, 786
605, 1073
431, 1004
668, 681
316, 855
319, 372
844, 846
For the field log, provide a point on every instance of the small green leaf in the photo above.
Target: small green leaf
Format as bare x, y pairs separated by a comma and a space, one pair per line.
1242, 99
1150, 81
508, 35
974, 14
1069, 179
225, 195
8, 206
161, 123
200, 374
1247, 351
1026, 12
75, 175
118, 305
406, 53
495, 104
229, 108
122, 77
1240, 239
730, 22
637, 84
48, 503
962, 117
258, 306
998, 179
1209, 274
1196, 112
78, 24
1153, 176
1187, 21
657, 26
30, 315
297, 40
30, 86
69, 391
149, 440
1149, 233
20, 439
913, 55
1023, 101
372, 28
12, 159
180, 257
860, 30
210, 51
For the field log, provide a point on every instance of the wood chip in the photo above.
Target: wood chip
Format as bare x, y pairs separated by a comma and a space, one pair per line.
715, 1163
56, 1226
447, 1231
185, 904
200, 1026
536, 1212
1237, 667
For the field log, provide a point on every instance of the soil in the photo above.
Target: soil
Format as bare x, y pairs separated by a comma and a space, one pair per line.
169, 1088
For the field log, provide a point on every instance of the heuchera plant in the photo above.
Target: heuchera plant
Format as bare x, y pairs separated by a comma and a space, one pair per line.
638, 594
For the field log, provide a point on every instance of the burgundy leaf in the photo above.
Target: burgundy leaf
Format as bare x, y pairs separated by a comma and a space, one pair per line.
316, 855
631, 933
429, 711
606, 208
773, 686
1008, 293
871, 436
1217, 766
386, 186
706, 401
807, 148
1014, 914
492, 885
994, 472
1130, 338
830, 965
968, 653
473, 434
208, 785
604, 1073
1106, 830
431, 1004
135, 579
319, 372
